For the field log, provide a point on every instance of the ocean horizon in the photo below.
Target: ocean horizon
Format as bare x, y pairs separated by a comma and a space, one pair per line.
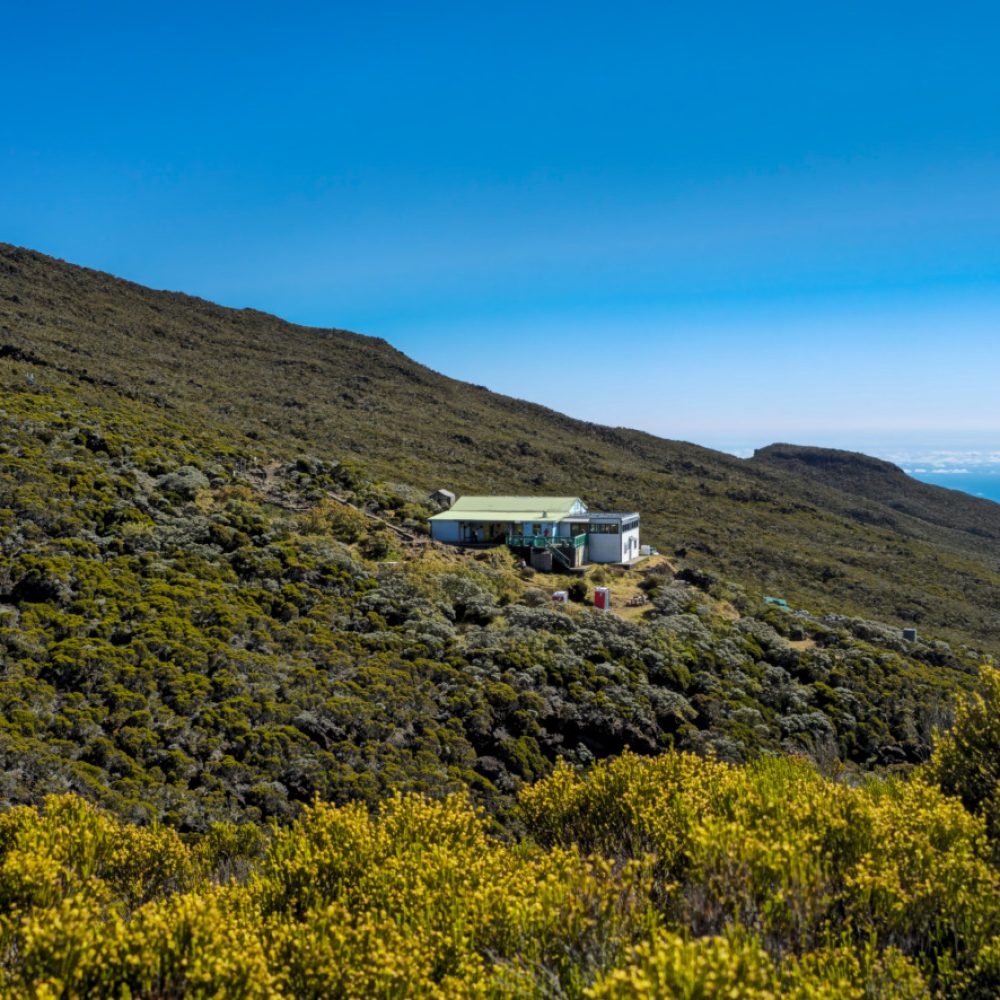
984, 484
970, 466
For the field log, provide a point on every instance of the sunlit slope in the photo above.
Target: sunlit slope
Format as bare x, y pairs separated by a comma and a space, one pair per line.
899, 553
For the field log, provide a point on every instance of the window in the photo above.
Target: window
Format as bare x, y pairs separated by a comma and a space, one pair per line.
604, 528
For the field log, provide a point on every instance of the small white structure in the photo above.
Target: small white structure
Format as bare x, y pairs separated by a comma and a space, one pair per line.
443, 498
613, 538
544, 530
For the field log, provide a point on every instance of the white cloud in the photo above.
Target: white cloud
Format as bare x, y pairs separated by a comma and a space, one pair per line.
928, 462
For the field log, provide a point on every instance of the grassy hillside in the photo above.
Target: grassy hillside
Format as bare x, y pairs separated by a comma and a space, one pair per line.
260, 737
276, 390
967, 522
186, 637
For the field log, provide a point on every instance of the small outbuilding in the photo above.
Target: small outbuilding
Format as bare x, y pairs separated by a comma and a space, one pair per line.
442, 498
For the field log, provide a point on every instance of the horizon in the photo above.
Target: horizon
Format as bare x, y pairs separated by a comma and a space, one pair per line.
722, 227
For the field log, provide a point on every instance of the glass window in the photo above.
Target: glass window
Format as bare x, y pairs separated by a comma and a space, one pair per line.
604, 528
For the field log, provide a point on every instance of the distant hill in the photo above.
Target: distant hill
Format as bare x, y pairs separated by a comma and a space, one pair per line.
970, 521
829, 530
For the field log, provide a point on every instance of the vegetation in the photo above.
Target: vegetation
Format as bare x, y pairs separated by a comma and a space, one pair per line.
966, 760
187, 642
668, 876
828, 531
260, 736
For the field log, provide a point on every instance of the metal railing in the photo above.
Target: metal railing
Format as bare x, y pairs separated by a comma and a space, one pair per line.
547, 541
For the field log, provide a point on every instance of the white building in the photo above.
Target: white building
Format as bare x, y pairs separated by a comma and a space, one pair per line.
546, 530
613, 538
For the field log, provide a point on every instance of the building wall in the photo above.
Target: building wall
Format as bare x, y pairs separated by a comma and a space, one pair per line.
630, 545
446, 531
608, 548
605, 548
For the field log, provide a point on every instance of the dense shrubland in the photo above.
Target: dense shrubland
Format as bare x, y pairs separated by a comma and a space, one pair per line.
669, 876
823, 529
253, 742
179, 649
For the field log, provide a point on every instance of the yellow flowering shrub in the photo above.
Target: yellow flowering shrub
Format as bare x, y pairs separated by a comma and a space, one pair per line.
190, 944
204, 944
424, 894
776, 849
926, 884
627, 806
70, 843
670, 966
665, 877
966, 759
738, 968
71, 948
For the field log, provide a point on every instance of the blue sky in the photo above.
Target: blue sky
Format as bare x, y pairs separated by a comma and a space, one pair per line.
730, 223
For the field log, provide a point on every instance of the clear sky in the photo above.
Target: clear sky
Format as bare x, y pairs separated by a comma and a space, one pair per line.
729, 222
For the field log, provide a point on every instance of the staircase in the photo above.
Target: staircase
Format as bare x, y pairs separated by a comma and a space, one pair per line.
562, 548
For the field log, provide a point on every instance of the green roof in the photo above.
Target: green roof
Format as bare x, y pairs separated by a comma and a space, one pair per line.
509, 509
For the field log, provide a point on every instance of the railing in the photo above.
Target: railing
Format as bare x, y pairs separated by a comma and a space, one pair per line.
546, 541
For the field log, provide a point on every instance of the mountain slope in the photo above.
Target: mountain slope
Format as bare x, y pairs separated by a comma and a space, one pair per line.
969, 520
832, 540
199, 622
185, 637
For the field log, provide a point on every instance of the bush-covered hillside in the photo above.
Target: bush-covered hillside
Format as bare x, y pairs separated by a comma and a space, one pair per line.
844, 541
259, 736
666, 877
188, 638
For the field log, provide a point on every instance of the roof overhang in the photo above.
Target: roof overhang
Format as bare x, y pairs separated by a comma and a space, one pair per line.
512, 516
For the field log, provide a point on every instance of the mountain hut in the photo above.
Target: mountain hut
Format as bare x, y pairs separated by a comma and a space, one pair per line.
547, 531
